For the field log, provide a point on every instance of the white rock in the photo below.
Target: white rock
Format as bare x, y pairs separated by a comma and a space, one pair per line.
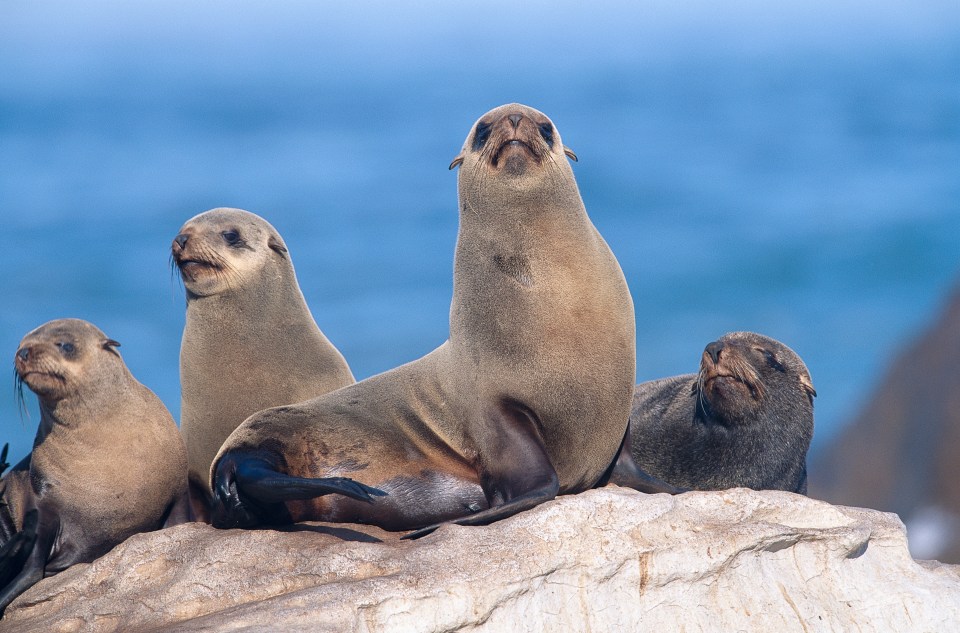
605, 560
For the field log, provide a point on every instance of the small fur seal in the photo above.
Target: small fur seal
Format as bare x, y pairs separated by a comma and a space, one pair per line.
107, 462
528, 398
249, 342
745, 420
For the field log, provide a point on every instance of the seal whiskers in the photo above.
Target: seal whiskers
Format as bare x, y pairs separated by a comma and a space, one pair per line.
494, 421
68, 501
745, 419
250, 341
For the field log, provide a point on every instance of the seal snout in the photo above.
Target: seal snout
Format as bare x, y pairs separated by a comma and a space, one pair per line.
191, 256
713, 351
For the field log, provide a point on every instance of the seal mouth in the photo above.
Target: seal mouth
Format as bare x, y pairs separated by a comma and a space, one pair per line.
191, 268
41, 381
726, 374
510, 145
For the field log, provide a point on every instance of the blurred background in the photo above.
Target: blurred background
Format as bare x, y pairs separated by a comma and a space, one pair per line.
789, 168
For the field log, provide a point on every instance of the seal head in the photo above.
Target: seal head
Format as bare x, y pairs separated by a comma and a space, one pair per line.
250, 342
745, 419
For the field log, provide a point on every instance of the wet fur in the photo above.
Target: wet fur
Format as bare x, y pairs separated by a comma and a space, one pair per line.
751, 429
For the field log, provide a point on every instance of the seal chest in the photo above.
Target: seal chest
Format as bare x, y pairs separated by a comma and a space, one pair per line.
108, 461
529, 397
250, 341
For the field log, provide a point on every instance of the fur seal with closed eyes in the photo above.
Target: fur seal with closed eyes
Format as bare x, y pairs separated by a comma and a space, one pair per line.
745, 420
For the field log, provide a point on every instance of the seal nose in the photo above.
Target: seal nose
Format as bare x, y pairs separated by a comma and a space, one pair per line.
23, 353
515, 120
714, 350
181, 239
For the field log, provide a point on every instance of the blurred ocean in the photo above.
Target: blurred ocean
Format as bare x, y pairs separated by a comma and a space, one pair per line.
791, 168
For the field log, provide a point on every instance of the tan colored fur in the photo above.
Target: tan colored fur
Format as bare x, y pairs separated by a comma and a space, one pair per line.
108, 455
250, 341
541, 316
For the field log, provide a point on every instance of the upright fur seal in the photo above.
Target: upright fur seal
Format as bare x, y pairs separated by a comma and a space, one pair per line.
107, 462
528, 398
249, 342
746, 419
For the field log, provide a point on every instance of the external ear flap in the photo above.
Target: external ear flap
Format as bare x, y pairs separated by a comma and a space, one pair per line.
111, 346
807, 384
456, 162
275, 243
569, 153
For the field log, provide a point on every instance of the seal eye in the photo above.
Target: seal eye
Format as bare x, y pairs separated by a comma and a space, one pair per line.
232, 237
66, 348
546, 131
481, 136
772, 360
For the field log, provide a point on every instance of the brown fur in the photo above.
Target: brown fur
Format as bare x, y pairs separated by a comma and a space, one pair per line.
529, 396
107, 462
249, 342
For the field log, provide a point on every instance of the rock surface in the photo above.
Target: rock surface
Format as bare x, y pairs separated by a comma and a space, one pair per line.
900, 453
605, 560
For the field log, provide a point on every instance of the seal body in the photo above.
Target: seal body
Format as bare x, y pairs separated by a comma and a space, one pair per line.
745, 420
107, 462
528, 398
249, 342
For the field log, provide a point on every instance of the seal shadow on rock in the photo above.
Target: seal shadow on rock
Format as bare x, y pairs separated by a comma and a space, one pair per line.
527, 399
107, 462
745, 420
249, 342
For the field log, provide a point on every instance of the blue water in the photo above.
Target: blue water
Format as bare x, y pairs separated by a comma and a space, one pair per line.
791, 170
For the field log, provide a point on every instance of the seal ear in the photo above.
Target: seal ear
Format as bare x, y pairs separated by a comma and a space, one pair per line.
806, 383
456, 162
111, 346
275, 244
569, 153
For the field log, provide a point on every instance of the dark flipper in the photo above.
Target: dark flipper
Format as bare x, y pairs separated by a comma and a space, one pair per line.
625, 472
517, 473
250, 491
485, 517
15, 551
29, 553
4, 464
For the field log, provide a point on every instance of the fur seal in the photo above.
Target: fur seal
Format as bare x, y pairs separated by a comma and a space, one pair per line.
107, 462
529, 397
745, 420
249, 342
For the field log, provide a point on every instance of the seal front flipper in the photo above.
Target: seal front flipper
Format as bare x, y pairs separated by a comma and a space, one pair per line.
4, 464
249, 491
15, 551
625, 472
33, 550
516, 472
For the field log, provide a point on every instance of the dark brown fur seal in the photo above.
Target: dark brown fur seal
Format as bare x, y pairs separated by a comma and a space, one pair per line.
745, 420
107, 462
249, 342
528, 398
